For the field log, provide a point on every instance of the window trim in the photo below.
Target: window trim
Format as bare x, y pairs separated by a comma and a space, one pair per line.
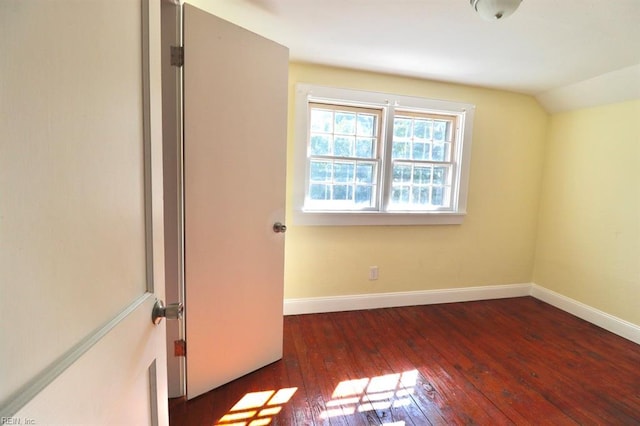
306, 93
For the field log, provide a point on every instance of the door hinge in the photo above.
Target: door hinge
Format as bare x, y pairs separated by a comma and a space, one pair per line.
179, 348
177, 56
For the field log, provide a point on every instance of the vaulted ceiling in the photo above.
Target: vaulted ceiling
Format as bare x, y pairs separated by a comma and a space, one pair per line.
547, 48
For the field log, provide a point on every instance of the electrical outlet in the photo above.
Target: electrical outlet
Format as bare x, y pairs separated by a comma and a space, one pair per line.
373, 273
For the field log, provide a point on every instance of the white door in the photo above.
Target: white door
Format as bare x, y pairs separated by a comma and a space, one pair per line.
80, 213
235, 109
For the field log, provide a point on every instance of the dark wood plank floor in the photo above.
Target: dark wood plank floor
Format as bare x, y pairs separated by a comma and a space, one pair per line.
510, 361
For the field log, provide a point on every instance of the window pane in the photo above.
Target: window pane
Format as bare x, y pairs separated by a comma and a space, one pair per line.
319, 192
441, 151
442, 130
364, 173
401, 150
364, 147
438, 152
440, 175
366, 125
320, 144
364, 195
421, 151
400, 195
343, 146
320, 171
420, 195
422, 129
402, 128
437, 196
343, 192
343, 172
345, 123
321, 121
422, 175
401, 173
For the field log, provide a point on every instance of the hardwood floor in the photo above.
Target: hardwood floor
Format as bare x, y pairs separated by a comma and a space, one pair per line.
509, 361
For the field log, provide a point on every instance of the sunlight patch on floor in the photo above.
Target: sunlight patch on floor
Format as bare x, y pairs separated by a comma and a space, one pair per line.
257, 408
371, 394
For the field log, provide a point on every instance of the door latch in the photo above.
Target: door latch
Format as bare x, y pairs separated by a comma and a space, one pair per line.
173, 311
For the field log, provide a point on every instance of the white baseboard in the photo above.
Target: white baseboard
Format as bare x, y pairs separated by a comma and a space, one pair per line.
389, 300
466, 294
602, 319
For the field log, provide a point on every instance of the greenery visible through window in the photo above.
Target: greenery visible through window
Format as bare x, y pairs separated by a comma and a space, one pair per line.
343, 157
372, 153
422, 165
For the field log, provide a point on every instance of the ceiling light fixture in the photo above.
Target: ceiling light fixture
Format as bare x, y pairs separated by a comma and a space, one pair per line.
495, 10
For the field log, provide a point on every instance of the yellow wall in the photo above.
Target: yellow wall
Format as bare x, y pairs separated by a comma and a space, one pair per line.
588, 245
494, 245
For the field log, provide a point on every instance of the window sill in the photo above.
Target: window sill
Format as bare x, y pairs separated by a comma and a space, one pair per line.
302, 218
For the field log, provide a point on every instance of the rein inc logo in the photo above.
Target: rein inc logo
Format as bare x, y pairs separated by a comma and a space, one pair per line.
17, 421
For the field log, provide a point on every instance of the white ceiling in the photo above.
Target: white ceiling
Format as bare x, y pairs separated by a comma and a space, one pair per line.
543, 48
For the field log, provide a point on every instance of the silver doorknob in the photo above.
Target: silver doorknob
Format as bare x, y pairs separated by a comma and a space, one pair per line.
171, 312
279, 227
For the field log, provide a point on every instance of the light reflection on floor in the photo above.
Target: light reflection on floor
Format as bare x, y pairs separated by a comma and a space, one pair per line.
370, 394
257, 408
349, 397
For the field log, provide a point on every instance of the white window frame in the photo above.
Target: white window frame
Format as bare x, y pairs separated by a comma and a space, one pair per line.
389, 103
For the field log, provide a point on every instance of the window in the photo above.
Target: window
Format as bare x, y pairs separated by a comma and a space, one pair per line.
421, 161
365, 158
344, 158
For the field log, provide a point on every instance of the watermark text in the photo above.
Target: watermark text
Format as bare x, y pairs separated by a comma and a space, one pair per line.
17, 421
